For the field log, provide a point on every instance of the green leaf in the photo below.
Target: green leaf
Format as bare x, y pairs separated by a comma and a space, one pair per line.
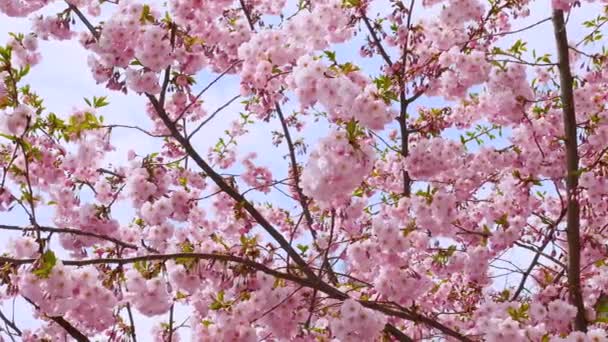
187, 247
443, 256
302, 248
5, 53
503, 221
183, 181
47, 262
219, 302
146, 15
348, 67
99, 102
140, 266
215, 306
601, 309
24, 71
331, 55
358, 192
519, 314
353, 131
9, 137
351, 3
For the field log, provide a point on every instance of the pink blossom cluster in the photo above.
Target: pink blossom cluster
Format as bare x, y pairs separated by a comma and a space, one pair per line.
450, 29
21, 8
463, 72
409, 231
345, 96
52, 27
68, 292
507, 96
273, 7
336, 167
14, 122
149, 296
25, 50
460, 11
357, 323
257, 177
141, 81
325, 24
153, 48
208, 27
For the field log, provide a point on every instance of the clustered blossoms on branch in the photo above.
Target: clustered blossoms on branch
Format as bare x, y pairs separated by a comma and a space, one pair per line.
383, 226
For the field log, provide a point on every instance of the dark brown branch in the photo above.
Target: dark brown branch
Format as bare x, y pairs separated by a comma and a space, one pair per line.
132, 322
170, 338
101, 170
296, 173
10, 324
397, 334
416, 317
224, 186
69, 328
526, 274
536, 250
402, 97
314, 284
167, 77
247, 15
199, 256
84, 20
534, 262
404, 102
598, 159
376, 41
137, 128
573, 211
69, 231
506, 33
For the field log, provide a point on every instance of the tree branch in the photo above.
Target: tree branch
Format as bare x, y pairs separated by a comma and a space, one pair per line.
200, 93
212, 116
69, 328
376, 40
84, 20
69, 231
573, 208
10, 323
247, 15
311, 283
132, 322
538, 252
397, 334
224, 186
296, 173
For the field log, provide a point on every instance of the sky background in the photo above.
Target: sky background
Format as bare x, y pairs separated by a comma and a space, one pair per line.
63, 79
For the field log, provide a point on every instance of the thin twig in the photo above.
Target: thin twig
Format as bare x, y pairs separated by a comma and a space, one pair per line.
212, 116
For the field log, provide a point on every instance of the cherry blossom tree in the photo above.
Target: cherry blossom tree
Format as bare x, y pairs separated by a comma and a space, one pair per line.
375, 222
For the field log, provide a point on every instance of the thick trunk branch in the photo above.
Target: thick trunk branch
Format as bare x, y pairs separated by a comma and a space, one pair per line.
573, 208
